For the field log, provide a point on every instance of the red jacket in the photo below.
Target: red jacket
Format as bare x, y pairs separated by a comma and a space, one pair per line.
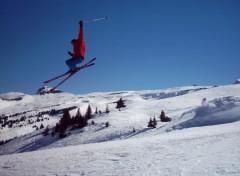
79, 45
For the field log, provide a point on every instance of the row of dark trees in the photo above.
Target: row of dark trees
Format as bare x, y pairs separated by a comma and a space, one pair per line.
163, 118
79, 121
5, 141
75, 122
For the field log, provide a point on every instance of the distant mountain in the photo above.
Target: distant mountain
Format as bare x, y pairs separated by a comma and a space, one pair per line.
47, 90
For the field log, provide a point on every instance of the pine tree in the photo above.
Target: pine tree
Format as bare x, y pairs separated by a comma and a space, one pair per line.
78, 113
80, 120
64, 123
83, 122
107, 109
154, 123
162, 116
150, 123
78, 117
88, 114
41, 126
120, 104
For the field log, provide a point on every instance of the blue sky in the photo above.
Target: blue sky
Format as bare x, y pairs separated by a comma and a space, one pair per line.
144, 44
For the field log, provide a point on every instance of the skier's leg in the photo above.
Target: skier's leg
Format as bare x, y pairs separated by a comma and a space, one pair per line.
69, 64
72, 63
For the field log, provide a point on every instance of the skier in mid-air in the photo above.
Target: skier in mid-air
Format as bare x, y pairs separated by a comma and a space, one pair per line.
78, 50
77, 56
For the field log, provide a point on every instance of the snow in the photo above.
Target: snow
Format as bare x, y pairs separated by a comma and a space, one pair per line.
218, 111
197, 151
11, 95
201, 139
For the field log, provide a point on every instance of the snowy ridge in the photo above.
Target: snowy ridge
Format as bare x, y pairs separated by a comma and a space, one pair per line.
12, 96
218, 111
201, 132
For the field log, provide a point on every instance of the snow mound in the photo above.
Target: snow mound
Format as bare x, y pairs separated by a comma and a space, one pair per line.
218, 111
12, 96
47, 90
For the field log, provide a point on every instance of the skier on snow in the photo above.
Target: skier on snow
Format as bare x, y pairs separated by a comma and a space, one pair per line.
78, 50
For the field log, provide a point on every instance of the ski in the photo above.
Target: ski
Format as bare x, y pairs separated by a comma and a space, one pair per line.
71, 74
50, 80
67, 73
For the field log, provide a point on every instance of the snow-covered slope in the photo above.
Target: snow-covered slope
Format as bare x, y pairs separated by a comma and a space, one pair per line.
181, 104
39, 106
204, 129
211, 150
218, 111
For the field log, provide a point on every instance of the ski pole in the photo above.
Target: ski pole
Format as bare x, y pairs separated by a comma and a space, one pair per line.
97, 19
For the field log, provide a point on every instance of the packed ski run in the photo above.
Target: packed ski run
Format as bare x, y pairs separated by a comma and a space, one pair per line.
202, 137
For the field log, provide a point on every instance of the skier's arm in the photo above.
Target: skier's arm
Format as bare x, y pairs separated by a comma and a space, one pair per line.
81, 40
80, 35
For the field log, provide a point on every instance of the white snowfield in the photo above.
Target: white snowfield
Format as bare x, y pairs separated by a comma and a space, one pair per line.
201, 139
